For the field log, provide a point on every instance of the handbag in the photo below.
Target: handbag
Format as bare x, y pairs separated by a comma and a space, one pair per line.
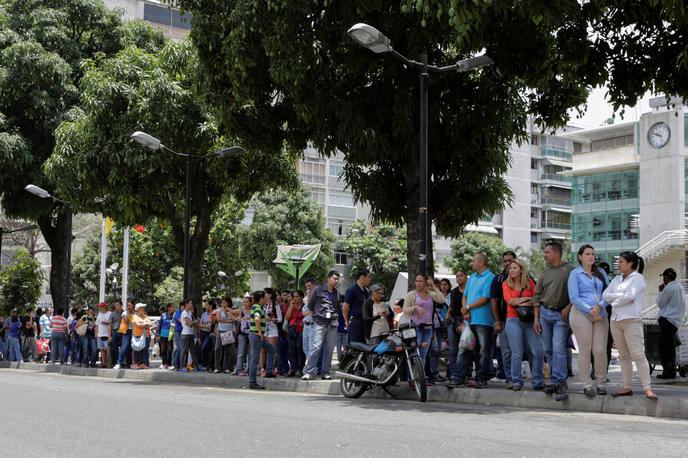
227, 337
139, 343
525, 314
81, 328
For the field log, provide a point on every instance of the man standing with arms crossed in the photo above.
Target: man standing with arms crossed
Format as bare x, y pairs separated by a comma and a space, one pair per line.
352, 309
552, 308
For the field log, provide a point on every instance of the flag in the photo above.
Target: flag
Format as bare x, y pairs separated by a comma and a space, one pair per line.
109, 223
139, 228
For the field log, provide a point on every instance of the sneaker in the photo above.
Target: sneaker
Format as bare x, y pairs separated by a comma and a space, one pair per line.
216, 371
270, 376
440, 379
517, 387
562, 392
509, 386
549, 389
589, 392
226, 371
307, 377
255, 386
183, 370
243, 374
454, 384
481, 384
327, 377
602, 390
539, 388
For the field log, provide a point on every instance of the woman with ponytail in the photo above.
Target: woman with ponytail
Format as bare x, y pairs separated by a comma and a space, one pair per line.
625, 294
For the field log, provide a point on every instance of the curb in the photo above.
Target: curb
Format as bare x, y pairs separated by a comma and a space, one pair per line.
665, 407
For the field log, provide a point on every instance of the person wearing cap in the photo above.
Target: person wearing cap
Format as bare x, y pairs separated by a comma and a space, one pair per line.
672, 310
141, 327
104, 333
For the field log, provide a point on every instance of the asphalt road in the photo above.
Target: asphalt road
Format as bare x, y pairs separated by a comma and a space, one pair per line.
56, 415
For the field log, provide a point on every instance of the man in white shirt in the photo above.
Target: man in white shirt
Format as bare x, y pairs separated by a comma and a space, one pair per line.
672, 310
104, 333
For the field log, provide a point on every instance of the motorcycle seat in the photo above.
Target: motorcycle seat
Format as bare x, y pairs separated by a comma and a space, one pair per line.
367, 348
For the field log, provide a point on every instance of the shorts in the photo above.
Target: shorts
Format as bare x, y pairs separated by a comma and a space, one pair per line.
103, 344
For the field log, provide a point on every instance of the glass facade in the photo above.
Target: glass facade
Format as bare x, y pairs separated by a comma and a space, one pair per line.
605, 206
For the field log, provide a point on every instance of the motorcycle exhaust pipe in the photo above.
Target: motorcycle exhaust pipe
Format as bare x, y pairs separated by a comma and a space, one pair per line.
355, 378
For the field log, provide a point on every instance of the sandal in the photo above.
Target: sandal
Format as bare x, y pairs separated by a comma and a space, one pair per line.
624, 392
650, 395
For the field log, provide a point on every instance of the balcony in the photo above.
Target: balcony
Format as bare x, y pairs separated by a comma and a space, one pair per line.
309, 178
556, 225
552, 152
562, 201
556, 177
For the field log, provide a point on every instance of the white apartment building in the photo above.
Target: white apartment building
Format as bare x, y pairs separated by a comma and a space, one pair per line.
170, 20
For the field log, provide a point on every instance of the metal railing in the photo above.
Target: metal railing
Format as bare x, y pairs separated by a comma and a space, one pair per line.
556, 201
663, 242
553, 225
556, 177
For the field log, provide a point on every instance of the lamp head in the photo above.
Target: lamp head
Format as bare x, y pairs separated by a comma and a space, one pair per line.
147, 140
370, 37
36, 191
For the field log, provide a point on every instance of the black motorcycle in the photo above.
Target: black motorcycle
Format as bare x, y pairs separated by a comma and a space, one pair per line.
364, 367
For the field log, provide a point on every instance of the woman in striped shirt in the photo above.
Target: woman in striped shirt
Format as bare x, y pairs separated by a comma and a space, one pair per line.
58, 336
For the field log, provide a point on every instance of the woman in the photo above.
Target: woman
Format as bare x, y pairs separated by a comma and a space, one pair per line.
86, 329
141, 326
242, 336
188, 334
58, 336
125, 329
226, 317
376, 314
164, 326
518, 290
439, 330
419, 306
205, 326
454, 319
294, 316
272, 316
588, 319
625, 294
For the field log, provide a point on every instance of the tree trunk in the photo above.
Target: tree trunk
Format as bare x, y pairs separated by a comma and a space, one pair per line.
202, 209
54, 231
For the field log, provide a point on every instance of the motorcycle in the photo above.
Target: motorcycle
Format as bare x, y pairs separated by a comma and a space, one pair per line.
367, 366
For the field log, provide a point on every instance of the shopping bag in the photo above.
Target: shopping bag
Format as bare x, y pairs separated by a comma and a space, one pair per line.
467, 339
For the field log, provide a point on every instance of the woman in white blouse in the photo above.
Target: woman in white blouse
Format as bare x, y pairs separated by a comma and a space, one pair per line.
625, 294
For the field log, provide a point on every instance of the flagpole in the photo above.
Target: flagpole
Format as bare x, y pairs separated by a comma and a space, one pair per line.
125, 266
103, 261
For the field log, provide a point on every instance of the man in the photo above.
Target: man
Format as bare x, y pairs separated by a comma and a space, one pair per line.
176, 353
258, 341
116, 342
672, 310
483, 319
13, 326
352, 309
28, 334
284, 300
552, 308
324, 304
104, 333
46, 332
503, 353
308, 327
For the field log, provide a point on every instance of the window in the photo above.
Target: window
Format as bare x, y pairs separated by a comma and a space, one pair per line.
614, 142
166, 16
577, 147
312, 172
341, 199
534, 237
339, 227
341, 258
336, 168
533, 164
534, 139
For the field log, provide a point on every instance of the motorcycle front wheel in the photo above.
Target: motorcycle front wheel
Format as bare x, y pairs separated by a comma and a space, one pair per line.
351, 389
419, 378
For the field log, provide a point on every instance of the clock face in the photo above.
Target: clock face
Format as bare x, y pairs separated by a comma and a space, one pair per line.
659, 135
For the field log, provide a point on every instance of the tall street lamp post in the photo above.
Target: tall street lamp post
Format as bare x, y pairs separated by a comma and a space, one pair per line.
43, 194
371, 38
153, 143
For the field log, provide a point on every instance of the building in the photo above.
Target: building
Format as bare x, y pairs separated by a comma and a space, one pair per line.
629, 185
170, 20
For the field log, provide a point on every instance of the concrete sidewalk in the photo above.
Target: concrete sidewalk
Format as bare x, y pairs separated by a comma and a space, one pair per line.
672, 403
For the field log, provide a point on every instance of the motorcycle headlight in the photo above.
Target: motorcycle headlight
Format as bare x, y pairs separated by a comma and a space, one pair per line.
408, 333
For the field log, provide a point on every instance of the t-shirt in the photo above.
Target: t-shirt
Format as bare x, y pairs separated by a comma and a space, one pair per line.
381, 324
224, 327
177, 322
257, 312
116, 318
103, 321
164, 325
45, 326
186, 329
59, 324
497, 293
27, 331
15, 326
355, 296
477, 287
510, 293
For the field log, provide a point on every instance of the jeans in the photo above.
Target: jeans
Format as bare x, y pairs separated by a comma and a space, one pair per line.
29, 352
356, 330
667, 346
2, 348
555, 332
256, 345
176, 354
307, 339
453, 338
165, 350
340, 343
242, 353
434, 353
89, 352
124, 350
223, 355
13, 349
516, 330
423, 336
324, 339
188, 346
207, 345
506, 353
296, 357
482, 352
283, 352
57, 346
114, 346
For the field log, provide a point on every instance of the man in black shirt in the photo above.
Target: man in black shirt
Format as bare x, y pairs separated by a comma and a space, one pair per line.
454, 318
28, 334
503, 352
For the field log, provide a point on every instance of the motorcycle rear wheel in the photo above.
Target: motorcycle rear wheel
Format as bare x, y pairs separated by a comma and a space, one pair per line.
419, 378
351, 389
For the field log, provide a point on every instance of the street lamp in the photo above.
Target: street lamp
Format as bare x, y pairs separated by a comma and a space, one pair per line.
153, 143
43, 194
371, 38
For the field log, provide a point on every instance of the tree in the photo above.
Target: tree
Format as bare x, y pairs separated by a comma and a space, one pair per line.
471, 243
287, 72
380, 248
20, 283
95, 158
172, 288
43, 46
287, 218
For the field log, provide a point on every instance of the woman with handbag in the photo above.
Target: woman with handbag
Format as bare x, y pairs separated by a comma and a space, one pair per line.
294, 316
140, 336
588, 319
518, 290
85, 328
226, 336
626, 294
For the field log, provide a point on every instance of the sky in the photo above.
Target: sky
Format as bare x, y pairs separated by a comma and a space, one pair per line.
599, 110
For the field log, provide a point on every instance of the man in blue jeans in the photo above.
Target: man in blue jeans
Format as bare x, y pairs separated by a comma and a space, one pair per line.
324, 304
552, 307
483, 318
176, 353
257, 341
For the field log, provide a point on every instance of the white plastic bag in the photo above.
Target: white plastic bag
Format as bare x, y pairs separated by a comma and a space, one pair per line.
467, 340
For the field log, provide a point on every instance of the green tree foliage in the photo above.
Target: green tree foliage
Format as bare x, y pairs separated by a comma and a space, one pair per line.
380, 248
286, 218
156, 93
43, 47
20, 283
172, 288
471, 243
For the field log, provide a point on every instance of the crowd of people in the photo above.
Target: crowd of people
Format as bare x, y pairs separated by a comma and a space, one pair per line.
513, 317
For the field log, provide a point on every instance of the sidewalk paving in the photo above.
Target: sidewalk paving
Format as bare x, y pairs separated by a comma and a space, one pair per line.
672, 403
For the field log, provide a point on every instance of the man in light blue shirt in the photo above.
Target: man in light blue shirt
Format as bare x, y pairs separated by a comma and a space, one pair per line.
672, 310
483, 318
